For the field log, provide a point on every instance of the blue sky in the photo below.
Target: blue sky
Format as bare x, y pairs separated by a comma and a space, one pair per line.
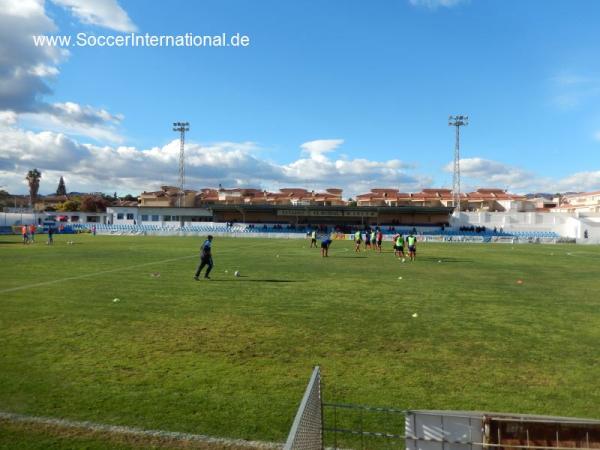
350, 94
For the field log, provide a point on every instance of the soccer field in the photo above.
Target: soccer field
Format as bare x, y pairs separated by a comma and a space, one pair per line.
231, 357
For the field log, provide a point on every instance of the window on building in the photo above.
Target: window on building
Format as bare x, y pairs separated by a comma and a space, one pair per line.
120, 216
155, 218
74, 218
129, 216
144, 218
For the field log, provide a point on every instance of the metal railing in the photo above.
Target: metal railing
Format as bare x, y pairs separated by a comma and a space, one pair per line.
360, 426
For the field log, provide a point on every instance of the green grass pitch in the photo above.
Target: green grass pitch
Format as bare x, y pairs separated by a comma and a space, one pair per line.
231, 357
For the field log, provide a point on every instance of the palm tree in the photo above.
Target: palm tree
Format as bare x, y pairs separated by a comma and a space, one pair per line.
33, 178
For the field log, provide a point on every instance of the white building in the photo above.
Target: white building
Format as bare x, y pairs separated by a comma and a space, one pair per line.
160, 216
584, 202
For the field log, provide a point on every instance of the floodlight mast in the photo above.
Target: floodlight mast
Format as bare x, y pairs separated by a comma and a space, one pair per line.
457, 122
181, 127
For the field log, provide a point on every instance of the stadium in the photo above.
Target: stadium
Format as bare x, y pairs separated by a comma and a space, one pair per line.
317, 256
113, 311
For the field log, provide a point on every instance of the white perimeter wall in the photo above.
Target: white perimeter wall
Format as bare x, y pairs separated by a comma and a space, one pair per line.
565, 224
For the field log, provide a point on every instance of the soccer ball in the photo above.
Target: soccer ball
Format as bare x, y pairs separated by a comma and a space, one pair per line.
237, 273
415, 315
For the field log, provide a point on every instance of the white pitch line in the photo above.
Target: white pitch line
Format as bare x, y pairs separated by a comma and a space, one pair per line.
117, 429
102, 272
87, 275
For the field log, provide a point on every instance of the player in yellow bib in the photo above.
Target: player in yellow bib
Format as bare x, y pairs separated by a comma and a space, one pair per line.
412, 246
399, 246
357, 241
313, 239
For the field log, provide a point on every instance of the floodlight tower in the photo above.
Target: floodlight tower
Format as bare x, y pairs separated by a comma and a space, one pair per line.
182, 127
457, 122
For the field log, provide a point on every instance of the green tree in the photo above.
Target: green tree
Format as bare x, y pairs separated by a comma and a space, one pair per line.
62, 189
92, 204
129, 198
33, 179
69, 205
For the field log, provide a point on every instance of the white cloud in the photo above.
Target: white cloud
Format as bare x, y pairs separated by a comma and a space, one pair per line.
24, 66
316, 149
434, 4
22, 8
109, 168
76, 119
580, 181
48, 150
480, 172
104, 13
26, 69
8, 118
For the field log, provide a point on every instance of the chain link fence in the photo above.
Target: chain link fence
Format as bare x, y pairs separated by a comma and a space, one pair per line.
307, 430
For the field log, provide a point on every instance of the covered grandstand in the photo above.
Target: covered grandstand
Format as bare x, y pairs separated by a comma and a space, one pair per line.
278, 230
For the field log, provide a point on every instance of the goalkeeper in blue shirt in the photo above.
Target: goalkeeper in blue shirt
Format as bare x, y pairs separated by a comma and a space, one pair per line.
205, 259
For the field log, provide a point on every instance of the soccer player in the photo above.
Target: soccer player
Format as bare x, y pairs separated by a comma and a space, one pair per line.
379, 239
32, 233
25, 235
373, 241
50, 235
205, 259
313, 239
357, 241
367, 239
399, 245
325, 243
412, 246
